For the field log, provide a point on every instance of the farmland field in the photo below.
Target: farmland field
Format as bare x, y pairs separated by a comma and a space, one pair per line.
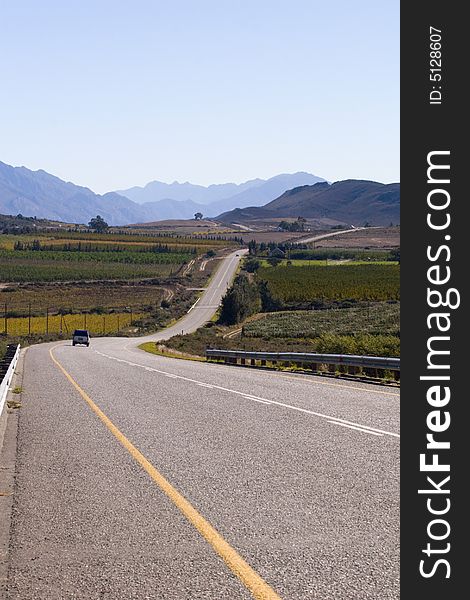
119, 281
65, 324
300, 262
51, 270
83, 255
367, 330
82, 296
371, 237
349, 281
139, 237
377, 319
120, 256
340, 254
356, 311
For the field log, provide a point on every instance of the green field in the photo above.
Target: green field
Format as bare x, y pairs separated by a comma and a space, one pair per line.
326, 331
104, 280
364, 254
349, 281
61, 236
104, 256
377, 319
61, 255
357, 311
300, 262
20, 269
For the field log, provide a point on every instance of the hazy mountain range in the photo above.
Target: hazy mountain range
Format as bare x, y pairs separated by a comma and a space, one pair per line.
38, 193
216, 198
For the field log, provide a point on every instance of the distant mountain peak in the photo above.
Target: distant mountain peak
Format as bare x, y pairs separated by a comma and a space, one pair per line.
219, 197
44, 195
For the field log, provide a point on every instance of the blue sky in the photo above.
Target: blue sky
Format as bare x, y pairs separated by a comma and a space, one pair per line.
115, 94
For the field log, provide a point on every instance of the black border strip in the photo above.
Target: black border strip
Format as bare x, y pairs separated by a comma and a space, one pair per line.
426, 128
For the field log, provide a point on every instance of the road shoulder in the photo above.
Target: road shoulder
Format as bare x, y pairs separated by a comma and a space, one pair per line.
8, 449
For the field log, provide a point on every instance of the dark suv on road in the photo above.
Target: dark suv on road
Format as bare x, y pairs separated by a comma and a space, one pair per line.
81, 336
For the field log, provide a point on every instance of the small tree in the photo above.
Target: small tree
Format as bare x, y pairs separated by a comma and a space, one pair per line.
241, 301
98, 224
253, 248
274, 261
198, 216
252, 265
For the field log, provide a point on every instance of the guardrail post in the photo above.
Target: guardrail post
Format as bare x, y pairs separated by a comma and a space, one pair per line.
371, 366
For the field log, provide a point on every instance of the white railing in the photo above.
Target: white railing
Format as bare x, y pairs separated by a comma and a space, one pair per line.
5, 384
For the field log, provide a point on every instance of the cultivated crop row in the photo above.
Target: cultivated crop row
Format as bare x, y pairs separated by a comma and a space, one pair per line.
124, 256
53, 270
297, 284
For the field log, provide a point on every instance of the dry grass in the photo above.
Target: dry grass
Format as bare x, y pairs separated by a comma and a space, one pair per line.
381, 237
81, 296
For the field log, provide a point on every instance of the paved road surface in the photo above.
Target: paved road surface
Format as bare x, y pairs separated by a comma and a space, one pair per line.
140, 476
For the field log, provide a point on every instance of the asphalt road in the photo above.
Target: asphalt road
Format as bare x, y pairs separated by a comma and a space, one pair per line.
140, 476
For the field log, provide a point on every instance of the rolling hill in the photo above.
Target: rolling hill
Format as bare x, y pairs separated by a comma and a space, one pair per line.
351, 202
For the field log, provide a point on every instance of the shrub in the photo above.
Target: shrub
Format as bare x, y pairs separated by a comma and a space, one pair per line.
241, 301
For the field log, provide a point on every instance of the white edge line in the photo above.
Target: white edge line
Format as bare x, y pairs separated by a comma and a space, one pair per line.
194, 304
257, 400
356, 428
337, 420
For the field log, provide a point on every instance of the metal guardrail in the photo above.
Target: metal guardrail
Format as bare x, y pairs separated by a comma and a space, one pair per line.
5, 384
313, 360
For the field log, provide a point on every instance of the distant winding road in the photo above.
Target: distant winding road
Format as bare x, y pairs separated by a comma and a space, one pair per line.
145, 477
322, 236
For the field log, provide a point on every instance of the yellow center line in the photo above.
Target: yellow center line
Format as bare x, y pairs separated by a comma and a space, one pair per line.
259, 589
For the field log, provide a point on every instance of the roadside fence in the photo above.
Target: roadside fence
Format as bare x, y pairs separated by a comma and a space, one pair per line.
66, 320
369, 366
